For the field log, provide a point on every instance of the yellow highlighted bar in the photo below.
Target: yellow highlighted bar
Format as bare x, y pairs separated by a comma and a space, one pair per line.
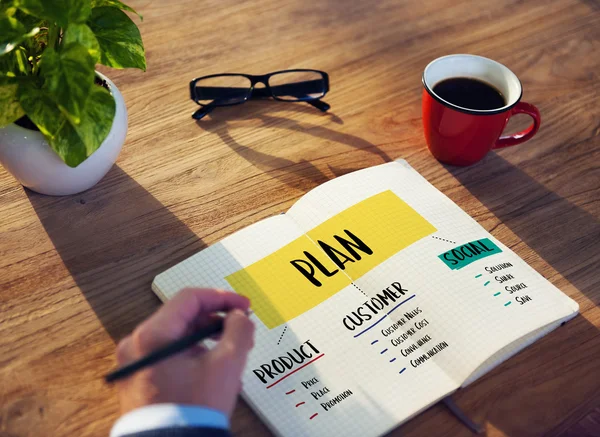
314, 267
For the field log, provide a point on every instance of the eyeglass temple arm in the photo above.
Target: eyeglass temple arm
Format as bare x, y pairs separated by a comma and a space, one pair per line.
260, 93
203, 111
319, 104
296, 89
299, 88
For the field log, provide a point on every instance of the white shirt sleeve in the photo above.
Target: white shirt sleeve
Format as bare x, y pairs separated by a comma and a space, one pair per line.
166, 416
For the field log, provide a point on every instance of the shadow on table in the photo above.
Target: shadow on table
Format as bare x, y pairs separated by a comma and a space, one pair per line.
594, 5
566, 237
545, 384
286, 170
114, 239
540, 218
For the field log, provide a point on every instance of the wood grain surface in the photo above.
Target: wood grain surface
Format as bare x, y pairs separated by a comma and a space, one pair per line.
75, 272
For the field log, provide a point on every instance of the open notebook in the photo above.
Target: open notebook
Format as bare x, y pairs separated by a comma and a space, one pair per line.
374, 297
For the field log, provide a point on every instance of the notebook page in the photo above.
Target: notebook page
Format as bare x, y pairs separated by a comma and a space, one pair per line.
512, 349
305, 374
470, 311
210, 266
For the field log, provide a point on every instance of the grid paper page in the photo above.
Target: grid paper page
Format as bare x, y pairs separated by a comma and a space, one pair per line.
396, 329
476, 309
292, 406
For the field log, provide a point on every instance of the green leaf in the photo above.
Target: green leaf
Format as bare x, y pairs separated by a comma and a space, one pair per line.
73, 143
11, 108
55, 126
12, 33
97, 119
68, 76
14, 63
7, 8
36, 45
119, 38
41, 109
30, 21
82, 34
115, 4
61, 12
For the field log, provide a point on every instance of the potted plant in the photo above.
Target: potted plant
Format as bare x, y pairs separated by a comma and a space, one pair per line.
62, 124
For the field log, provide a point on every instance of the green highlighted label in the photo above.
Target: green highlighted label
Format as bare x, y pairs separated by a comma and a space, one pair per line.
465, 254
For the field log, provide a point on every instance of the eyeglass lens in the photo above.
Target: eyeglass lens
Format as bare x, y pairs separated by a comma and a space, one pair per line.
223, 90
297, 85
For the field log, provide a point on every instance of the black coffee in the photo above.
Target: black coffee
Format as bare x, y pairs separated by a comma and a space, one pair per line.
470, 93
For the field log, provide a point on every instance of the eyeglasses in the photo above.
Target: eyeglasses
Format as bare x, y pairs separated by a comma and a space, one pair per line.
233, 89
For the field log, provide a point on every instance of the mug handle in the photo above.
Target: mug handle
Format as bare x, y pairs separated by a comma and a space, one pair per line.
524, 135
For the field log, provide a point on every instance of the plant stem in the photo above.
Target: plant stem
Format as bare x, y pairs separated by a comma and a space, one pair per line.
53, 33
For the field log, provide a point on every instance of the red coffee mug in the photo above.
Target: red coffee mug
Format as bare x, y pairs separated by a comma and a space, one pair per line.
462, 136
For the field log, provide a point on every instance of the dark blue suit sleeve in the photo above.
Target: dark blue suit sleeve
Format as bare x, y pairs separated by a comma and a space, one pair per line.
182, 432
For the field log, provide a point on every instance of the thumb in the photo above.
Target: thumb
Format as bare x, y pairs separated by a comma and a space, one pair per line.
237, 338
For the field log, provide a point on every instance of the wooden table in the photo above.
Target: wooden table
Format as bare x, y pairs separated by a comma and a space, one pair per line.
76, 271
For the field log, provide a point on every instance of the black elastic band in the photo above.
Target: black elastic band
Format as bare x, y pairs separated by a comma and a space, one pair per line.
461, 416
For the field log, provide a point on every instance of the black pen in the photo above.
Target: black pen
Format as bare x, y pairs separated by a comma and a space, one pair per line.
166, 351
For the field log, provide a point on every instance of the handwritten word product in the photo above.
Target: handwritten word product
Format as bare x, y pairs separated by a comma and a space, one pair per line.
374, 297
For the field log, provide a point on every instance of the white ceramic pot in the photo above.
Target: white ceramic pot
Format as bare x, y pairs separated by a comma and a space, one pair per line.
28, 157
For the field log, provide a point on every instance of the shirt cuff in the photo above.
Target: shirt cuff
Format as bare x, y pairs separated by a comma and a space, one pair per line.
160, 416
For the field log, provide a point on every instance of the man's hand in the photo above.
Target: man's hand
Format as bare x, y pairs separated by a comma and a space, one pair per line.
209, 378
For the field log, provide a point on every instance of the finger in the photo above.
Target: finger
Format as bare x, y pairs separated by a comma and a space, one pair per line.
197, 351
186, 307
173, 320
237, 338
125, 353
204, 321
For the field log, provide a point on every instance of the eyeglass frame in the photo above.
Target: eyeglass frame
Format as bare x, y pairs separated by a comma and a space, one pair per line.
263, 92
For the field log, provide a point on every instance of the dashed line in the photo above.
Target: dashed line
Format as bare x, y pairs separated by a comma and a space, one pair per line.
290, 392
360, 289
402, 370
486, 284
284, 329
301, 403
443, 239
313, 416
478, 276
374, 341
383, 351
392, 360
497, 294
507, 303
